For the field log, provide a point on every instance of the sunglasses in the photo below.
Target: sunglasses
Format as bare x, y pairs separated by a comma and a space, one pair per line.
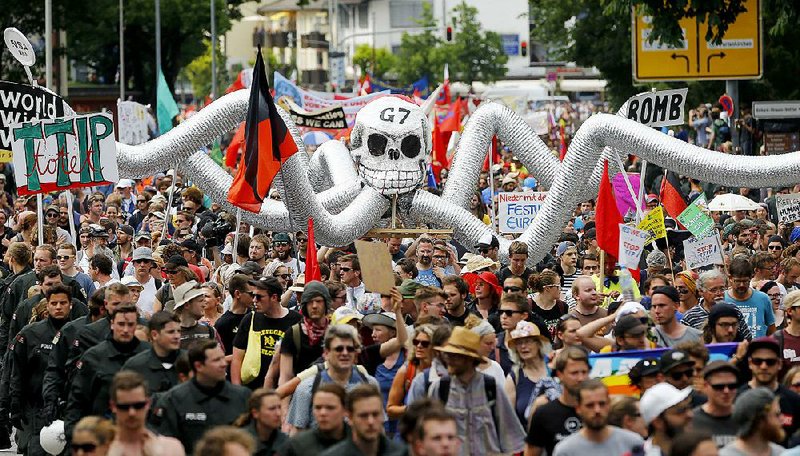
344, 348
52, 214
343, 269
724, 386
681, 409
509, 312
768, 361
85, 447
681, 374
63, 257
512, 289
132, 405
282, 276
168, 271
796, 385
280, 244
775, 247
421, 343
259, 297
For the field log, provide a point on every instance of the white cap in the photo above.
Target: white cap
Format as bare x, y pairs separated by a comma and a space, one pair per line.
659, 398
125, 183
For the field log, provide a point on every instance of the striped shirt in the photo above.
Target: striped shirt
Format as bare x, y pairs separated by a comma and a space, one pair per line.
697, 317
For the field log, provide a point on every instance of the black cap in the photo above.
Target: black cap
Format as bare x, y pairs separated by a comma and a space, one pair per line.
250, 268
722, 310
264, 283
192, 245
767, 342
178, 260
668, 291
644, 368
629, 324
674, 358
719, 366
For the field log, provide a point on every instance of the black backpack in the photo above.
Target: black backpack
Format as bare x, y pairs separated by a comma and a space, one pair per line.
489, 385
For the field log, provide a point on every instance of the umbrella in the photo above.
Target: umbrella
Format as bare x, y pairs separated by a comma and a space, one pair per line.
315, 138
732, 202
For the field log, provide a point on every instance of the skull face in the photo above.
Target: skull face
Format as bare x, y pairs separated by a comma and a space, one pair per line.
391, 141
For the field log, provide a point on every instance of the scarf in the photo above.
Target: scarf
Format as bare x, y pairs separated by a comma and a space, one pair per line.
314, 331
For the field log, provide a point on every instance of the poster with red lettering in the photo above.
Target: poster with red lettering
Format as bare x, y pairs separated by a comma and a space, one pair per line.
56, 154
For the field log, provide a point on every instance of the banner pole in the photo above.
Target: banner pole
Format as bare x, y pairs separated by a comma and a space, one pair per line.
39, 218
71, 217
168, 209
491, 184
236, 235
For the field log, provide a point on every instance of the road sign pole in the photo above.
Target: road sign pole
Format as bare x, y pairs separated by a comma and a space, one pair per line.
732, 89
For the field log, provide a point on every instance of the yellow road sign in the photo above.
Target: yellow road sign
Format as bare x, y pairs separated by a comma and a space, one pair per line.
738, 56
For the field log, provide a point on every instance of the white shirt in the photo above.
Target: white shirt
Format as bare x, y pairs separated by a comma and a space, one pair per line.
147, 297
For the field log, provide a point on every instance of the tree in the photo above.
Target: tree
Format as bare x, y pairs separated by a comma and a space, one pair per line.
384, 60
474, 55
198, 72
421, 54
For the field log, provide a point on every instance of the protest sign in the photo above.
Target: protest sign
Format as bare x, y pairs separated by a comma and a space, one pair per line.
132, 120
376, 266
516, 210
631, 245
695, 218
23, 103
56, 154
332, 118
702, 252
653, 222
625, 201
788, 207
658, 109
613, 368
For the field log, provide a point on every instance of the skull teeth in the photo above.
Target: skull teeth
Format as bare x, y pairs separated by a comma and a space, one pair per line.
390, 181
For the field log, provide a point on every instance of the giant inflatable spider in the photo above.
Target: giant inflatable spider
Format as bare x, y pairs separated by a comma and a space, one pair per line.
349, 192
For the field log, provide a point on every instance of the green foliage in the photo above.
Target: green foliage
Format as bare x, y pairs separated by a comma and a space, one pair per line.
421, 54
474, 55
384, 60
198, 72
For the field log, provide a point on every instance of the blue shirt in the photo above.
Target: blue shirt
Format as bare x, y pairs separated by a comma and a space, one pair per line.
426, 277
757, 311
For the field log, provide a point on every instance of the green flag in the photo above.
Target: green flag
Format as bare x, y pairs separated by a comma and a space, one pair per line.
167, 108
216, 154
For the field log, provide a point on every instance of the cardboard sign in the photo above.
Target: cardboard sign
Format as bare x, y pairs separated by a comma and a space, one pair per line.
695, 218
653, 222
658, 109
788, 207
631, 245
516, 210
132, 121
57, 154
332, 118
23, 103
376, 266
702, 252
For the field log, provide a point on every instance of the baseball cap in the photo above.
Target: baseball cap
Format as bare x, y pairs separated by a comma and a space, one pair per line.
178, 260
130, 281
281, 237
767, 342
344, 315
250, 268
747, 409
629, 325
562, 247
125, 183
644, 368
227, 250
674, 358
719, 366
158, 214
142, 253
408, 288
127, 229
488, 240
668, 291
651, 197
142, 235
657, 399
97, 231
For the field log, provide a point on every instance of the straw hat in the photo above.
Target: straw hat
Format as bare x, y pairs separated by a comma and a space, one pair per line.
186, 292
478, 262
299, 283
462, 341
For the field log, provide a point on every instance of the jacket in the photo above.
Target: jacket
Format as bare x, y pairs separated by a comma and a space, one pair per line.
58, 375
151, 368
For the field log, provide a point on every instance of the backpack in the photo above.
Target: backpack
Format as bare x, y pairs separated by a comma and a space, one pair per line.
723, 131
490, 389
362, 373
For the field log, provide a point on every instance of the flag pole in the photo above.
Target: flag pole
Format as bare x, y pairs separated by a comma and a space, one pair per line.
169, 203
71, 217
602, 271
39, 218
491, 183
236, 235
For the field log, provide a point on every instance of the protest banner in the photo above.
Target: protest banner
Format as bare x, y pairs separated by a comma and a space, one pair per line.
332, 118
516, 210
57, 154
625, 202
695, 218
658, 109
702, 252
132, 121
631, 245
613, 368
653, 222
788, 207
23, 103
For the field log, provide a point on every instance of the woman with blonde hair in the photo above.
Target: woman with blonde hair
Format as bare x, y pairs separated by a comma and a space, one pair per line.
213, 309
488, 343
421, 357
546, 299
92, 435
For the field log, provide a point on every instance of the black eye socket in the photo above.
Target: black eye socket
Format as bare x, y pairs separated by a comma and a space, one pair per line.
376, 144
410, 146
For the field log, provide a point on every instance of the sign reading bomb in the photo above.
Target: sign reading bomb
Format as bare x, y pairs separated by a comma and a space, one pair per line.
56, 154
658, 109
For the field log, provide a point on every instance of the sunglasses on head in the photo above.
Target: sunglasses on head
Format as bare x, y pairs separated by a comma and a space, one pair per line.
85, 447
421, 343
132, 405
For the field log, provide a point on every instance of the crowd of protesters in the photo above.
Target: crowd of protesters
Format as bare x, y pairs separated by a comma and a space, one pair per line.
150, 329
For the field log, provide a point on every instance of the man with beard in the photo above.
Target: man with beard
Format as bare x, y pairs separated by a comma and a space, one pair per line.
712, 285
456, 290
755, 305
596, 436
29, 353
51, 219
667, 411
258, 249
282, 250
758, 419
555, 421
764, 359
714, 417
427, 273
723, 321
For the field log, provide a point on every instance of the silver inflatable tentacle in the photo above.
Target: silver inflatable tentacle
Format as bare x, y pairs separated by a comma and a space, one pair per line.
331, 165
184, 140
488, 120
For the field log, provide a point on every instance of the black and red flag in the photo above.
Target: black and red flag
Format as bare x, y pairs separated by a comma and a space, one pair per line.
672, 197
268, 145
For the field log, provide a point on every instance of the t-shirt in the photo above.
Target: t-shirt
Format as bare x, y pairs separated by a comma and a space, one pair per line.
690, 335
551, 316
426, 277
371, 358
722, 429
586, 319
620, 441
227, 326
791, 349
308, 354
552, 423
731, 450
757, 311
272, 331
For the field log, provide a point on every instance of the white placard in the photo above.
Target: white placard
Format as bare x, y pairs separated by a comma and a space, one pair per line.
132, 121
631, 245
516, 210
19, 46
658, 109
702, 252
788, 207
56, 154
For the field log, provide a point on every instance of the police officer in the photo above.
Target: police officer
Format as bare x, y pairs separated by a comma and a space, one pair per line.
19, 259
116, 295
207, 400
157, 365
88, 394
29, 353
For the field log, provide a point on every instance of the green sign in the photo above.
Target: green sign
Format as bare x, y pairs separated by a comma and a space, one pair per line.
695, 218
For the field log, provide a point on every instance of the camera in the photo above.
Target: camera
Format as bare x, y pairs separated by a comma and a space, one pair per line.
214, 232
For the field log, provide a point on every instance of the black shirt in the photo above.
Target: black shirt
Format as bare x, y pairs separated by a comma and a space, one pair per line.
272, 331
789, 402
551, 316
552, 423
227, 326
307, 355
371, 358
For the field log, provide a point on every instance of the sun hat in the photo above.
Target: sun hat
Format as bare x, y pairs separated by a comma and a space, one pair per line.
478, 262
657, 399
130, 281
186, 292
344, 315
526, 329
492, 281
299, 283
462, 341
388, 319
465, 258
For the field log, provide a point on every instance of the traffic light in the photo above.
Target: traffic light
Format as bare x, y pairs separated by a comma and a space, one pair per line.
524, 50
449, 33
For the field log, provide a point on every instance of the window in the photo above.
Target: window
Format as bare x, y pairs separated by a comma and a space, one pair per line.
363, 15
404, 13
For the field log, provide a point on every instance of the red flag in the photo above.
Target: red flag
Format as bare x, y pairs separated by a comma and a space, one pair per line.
312, 266
495, 151
268, 145
366, 87
232, 152
607, 218
440, 140
452, 120
672, 198
237, 84
562, 151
